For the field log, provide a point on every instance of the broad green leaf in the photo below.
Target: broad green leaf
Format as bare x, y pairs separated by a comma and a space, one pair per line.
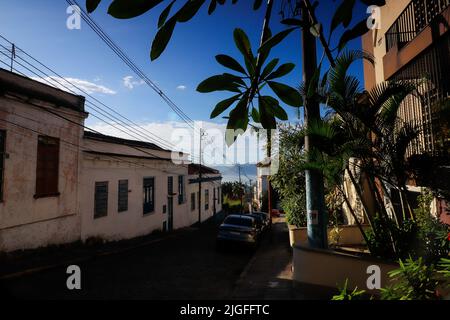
212, 7
242, 43
269, 68
165, 14
282, 70
162, 38
218, 83
126, 9
356, 32
223, 105
238, 118
257, 4
255, 115
274, 40
91, 5
267, 119
275, 108
230, 63
292, 22
343, 14
189, 10
286, 94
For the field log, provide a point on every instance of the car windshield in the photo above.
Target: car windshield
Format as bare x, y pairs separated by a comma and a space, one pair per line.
239, 221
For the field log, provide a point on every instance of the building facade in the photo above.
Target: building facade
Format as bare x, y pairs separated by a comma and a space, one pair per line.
61, 184
130, 188
413, 45
40, 162
211, 198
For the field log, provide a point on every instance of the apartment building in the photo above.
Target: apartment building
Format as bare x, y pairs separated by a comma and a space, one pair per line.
413, 44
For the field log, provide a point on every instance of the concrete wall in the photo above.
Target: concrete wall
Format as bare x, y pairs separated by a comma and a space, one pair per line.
349, 235
132, 223
26, 221
328, 268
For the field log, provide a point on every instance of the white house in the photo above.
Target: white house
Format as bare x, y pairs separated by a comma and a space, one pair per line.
211, 192
40, 161
131, 188
60, 184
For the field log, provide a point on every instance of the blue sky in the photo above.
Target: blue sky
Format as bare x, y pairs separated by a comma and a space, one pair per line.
39, 27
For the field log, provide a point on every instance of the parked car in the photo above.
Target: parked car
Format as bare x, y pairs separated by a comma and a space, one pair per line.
238, 228
266, 218
260, 221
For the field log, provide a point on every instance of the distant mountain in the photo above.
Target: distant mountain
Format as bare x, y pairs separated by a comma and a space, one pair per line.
231, 173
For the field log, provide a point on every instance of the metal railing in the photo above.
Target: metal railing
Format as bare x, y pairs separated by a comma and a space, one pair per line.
416, 16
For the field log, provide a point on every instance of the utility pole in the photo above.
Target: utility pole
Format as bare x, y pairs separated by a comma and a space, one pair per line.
13, 56
315, 204
200, 177
240, 186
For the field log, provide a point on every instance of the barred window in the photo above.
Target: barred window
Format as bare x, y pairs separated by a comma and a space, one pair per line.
193, 201
123, 196
101, 200
47, 167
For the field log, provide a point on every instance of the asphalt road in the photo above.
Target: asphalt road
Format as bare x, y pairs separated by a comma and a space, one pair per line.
183, 267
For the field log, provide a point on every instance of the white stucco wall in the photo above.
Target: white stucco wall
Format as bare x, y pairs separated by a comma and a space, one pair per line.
25, 221
206, 185
132, 223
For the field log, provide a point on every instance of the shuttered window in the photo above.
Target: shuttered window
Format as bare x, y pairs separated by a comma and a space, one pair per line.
47, 168
2, 160
193, 201
181, 191
206, 199
101, 200
149, 195
123, 196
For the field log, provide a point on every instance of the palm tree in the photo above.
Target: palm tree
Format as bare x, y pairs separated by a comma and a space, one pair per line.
361, 125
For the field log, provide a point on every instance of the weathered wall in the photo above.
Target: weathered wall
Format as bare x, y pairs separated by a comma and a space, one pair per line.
132, 223
209, 185
26, 221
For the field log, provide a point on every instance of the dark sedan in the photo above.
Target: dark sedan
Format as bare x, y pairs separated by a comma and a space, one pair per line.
238, 228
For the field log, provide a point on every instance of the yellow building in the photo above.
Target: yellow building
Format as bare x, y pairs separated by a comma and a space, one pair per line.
412, 43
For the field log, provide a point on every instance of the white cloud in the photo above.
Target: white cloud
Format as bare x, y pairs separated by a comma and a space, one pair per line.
130, 83
247, 149
75, 85
181, 87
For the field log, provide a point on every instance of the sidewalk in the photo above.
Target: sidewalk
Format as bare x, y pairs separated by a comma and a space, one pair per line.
268, 276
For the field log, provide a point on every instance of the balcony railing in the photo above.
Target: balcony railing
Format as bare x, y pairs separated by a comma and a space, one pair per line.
416, 16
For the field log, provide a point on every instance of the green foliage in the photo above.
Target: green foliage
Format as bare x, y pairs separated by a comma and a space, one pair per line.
344, 294
289, 181
425, 237
414, 280
248, 82
249, 103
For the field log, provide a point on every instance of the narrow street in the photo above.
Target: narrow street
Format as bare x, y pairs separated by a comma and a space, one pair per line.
183, 267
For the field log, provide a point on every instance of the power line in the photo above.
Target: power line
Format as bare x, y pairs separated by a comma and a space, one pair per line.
160, 140
89, 103
120, 53
86, 127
